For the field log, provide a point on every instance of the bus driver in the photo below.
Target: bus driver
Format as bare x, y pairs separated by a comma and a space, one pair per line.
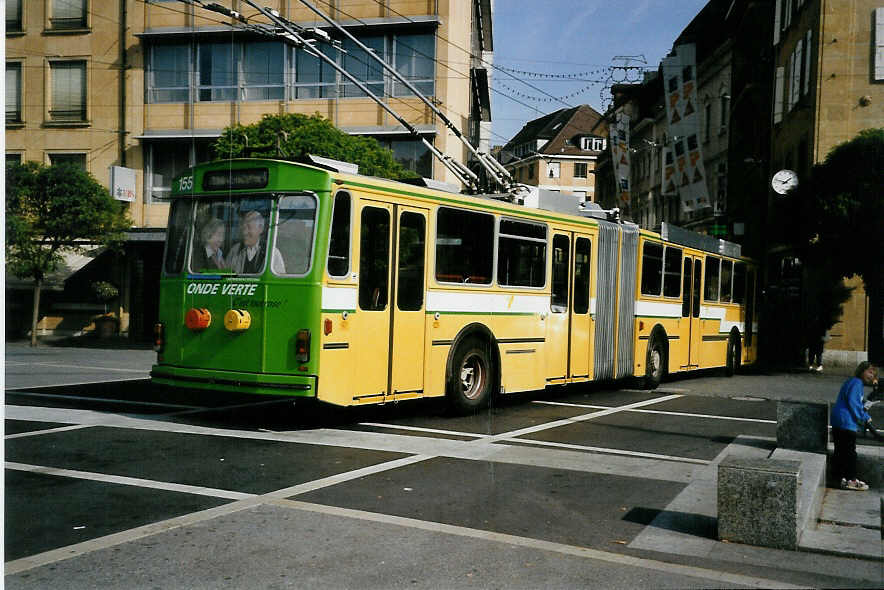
247, 256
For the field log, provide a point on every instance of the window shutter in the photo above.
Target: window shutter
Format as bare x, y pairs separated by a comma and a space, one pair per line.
776, 22
778, 95
808, 54
879, 44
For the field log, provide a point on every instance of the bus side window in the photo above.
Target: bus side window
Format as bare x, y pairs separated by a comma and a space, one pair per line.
410, 282
464, 247
672, 272
560, 252
582, 258
374, 259
726, 277
739, 282
710, 283
339, 241
176, 242
652, 268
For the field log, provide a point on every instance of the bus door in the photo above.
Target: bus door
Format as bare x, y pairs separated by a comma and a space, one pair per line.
392, 260
559, 319
408, 321
690, 310
371, 325
581, 314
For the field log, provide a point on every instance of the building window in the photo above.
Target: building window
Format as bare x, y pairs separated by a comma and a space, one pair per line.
167, 159
580, 169
13, 158
13, 92
68, 14
414, 59
78, 160
13, 16
68, 79
217, 72
363, 67
553, 169
412, 154
707, 120
263, 67
169, 73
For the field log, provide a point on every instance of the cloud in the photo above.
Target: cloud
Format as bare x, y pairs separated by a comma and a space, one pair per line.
638, 13
576, 22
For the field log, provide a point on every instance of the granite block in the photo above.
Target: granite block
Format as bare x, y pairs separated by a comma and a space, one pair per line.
758, 502
803, 426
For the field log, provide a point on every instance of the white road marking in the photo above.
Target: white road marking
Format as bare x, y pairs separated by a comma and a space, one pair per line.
13, 389
88, 367
483, 447
577, 419
662, 412
129, 481
419, 429
539, 544
107, 400
62, 553
46, 431
607, 451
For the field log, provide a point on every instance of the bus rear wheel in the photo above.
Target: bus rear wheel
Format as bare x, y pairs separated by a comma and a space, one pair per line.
471, 377
655, 363
732, 363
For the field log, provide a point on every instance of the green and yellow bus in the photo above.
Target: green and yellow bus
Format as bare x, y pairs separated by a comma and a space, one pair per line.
306, 280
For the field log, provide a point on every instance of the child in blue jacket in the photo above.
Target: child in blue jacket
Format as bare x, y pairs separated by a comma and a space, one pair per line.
848, 416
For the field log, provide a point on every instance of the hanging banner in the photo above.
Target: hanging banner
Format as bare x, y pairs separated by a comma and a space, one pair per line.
619, 141
679, 71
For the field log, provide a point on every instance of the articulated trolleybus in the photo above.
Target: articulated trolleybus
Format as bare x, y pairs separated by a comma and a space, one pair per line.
303, 280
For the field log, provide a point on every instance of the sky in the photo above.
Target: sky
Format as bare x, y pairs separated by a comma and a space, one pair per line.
577, 40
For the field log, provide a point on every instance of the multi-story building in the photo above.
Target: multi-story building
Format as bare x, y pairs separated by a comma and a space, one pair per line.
829, 59
145, 87
731, 71
558, 152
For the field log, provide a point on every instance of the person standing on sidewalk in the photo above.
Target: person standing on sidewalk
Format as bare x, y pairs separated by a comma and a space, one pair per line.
848, 416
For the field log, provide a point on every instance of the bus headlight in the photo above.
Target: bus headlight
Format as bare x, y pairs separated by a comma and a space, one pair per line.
237, 320
198, 319
302, 346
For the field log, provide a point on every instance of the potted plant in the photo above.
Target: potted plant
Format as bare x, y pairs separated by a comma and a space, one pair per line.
106, 324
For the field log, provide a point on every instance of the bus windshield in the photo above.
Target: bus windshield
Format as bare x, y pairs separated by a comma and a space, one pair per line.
231, 236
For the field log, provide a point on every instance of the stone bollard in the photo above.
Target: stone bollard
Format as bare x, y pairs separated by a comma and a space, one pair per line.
803, 426
758, 502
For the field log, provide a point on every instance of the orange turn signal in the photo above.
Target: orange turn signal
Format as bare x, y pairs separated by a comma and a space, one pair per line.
198, 319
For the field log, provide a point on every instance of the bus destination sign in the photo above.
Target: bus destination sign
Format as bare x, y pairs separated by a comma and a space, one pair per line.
245, 178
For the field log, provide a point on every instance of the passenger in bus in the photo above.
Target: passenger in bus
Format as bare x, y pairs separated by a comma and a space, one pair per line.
247, 256
847, 416
209, 255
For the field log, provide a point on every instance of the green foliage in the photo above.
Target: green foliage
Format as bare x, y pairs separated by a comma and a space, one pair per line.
294, 136
52, 209
839, 214
104, 291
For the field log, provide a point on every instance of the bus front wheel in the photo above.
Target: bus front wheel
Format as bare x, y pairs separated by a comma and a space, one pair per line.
655, 363
472, 376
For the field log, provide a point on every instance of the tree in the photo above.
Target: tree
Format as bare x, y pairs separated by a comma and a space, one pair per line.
293, 135
51, 210
838, 217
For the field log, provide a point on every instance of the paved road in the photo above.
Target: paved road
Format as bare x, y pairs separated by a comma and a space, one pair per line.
114, 483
